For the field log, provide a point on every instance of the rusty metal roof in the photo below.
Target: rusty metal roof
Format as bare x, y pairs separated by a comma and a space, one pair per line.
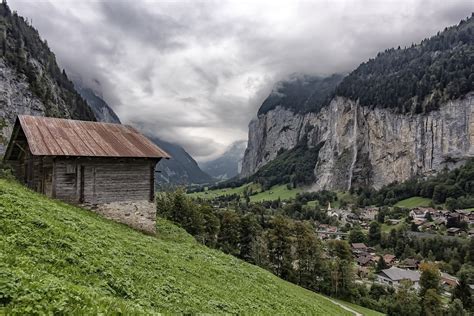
48, 136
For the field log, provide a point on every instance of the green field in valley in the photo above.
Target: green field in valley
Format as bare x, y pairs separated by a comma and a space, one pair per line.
415, 201
60, 259
210, 194
276, 192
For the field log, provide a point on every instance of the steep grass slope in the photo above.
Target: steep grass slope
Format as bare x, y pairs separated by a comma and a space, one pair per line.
56, 258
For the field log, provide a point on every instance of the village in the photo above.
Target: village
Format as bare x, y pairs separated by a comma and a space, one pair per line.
385, 268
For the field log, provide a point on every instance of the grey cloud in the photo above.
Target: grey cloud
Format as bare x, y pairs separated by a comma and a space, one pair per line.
195, 72
135, 20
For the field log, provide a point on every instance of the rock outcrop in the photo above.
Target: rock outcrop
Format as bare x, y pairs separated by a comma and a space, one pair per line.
365, 146
15, 98
31, 81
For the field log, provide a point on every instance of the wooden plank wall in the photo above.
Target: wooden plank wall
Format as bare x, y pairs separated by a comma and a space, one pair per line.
65, 184
105, 180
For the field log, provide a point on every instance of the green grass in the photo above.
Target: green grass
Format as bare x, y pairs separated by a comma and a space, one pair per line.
386, 228
364, 311
278, 191
416, 201
210, 194
60, 259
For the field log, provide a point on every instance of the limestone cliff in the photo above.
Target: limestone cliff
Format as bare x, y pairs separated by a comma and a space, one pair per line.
364, 146
404, 113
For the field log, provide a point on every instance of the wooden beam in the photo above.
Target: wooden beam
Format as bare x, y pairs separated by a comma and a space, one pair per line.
19, 146
152, 181
53, 182
16, 130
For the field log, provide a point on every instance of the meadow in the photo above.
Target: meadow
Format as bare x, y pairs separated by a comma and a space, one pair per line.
59, 259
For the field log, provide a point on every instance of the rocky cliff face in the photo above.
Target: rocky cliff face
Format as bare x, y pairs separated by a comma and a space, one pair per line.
364, 146
15, 98
404, 113
31, 82
102, 111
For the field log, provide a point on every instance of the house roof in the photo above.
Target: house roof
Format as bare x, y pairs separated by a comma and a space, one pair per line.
388, 258
363, 260
419, 211
48, 136
359, 245
409, 262
397, 274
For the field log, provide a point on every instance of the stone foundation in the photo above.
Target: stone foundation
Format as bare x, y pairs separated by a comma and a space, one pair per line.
140, 215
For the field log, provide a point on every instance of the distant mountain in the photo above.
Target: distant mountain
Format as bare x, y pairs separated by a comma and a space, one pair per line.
181, 169
301, 93
228, 164
102, 111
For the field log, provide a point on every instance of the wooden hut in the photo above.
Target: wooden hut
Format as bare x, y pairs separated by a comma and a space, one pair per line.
83, 162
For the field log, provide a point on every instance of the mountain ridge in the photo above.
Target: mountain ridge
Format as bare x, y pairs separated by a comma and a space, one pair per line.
102, 111
366, 144
227, 165
181, 169
32, 82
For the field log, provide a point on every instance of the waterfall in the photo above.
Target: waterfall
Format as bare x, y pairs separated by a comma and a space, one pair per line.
354, 149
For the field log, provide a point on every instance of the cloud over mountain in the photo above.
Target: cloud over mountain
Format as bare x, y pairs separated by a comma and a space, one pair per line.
196, 72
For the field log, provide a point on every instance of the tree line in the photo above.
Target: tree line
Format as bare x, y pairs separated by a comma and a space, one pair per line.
289, 248
419, 78
455, 188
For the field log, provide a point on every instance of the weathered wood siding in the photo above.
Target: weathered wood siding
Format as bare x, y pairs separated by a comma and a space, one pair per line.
103, 180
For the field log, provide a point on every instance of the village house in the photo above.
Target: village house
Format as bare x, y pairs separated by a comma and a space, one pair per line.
409, 263
419, 221
453, 231
441, 221
418, 213
369, 214
83, 162
428, 226
471, 218
389, 259
392, 221
394, 276
358, 247
448, 281
364, 260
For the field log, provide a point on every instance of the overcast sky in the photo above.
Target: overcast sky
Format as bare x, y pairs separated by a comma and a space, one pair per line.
195, 72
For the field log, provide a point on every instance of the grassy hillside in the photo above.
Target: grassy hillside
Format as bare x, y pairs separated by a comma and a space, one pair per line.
416, 201
56, 258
